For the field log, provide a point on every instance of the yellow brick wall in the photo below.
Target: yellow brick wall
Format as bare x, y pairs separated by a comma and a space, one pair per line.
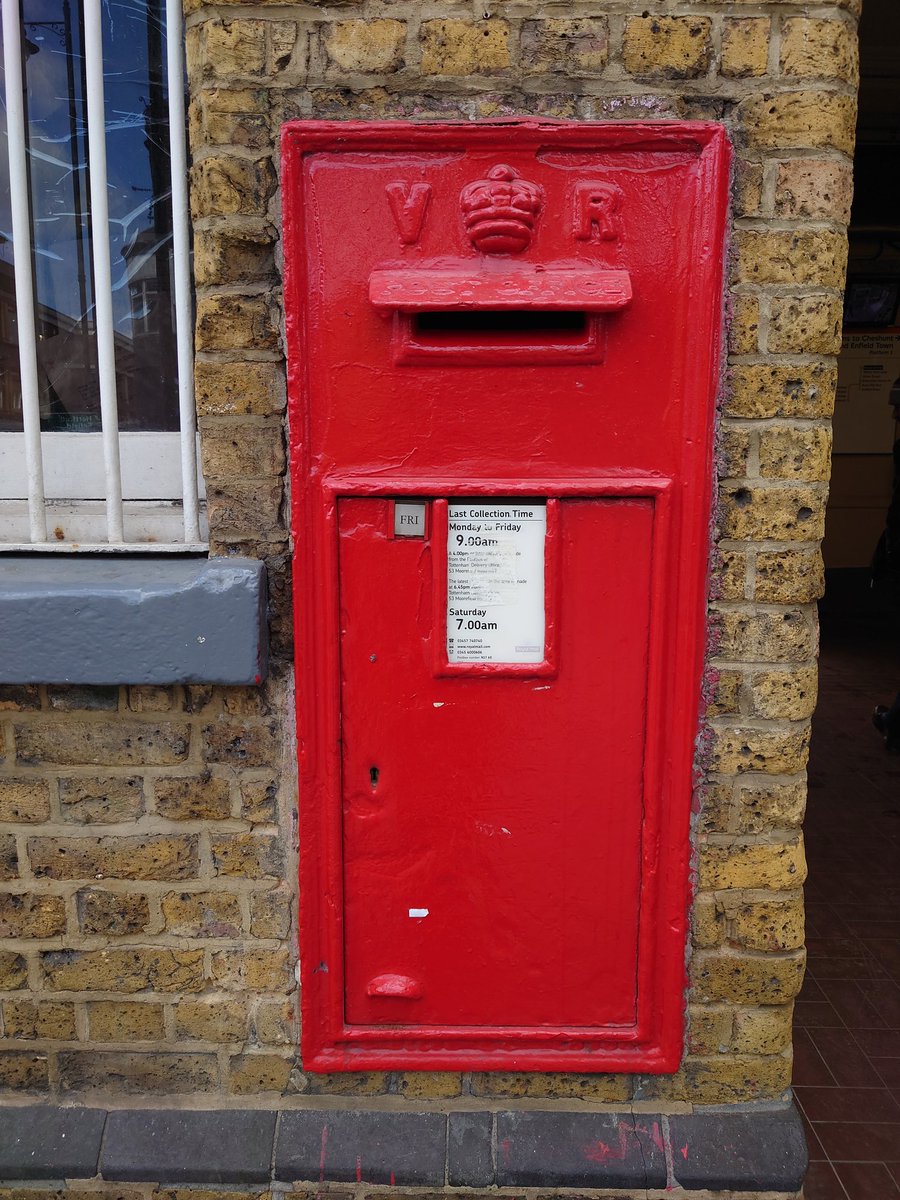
148, 856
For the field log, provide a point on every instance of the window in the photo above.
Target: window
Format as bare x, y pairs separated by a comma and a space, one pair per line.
96, 406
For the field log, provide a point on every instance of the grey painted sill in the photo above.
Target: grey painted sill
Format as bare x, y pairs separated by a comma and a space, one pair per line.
138, 620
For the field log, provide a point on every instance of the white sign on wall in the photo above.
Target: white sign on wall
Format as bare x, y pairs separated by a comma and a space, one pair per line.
495, 582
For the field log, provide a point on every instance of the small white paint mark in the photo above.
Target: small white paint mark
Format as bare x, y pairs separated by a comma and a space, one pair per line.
201, 639
418, 912
503, 829
543, 688
438, 703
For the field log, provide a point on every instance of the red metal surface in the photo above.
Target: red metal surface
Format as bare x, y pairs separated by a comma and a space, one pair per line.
494, 857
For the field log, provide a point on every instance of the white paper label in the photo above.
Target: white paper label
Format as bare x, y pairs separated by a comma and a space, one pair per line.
495, 582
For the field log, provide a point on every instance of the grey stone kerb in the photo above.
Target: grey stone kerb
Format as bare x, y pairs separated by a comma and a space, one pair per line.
735, 1150
138, 620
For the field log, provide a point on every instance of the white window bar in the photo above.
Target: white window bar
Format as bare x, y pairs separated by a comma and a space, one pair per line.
103, 309
21, 231
182, 276
113, 444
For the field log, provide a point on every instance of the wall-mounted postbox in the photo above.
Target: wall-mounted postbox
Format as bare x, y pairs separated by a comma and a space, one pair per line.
503, 354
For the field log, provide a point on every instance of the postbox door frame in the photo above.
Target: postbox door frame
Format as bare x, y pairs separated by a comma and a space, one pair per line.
655, 1043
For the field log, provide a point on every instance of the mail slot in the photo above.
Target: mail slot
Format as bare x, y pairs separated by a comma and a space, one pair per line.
503, 355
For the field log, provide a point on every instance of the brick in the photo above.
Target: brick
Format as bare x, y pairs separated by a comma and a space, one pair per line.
9, 858
245, 506
194, 798
457, 47
808, 324
772, 390
230, 116
783, 694
245, 702
137, 1072
275, 1023
270, 914
798, 120
784, 514
769, 924
118, 913
94, 801
515, 1085
716, 803
787, 636
250, 1074
743, 325
247, 855
13, 971
156, 856
233, 49
728, 574
574, 47
120, 970
769, 805
819, 49
709, 1029
792, 452
815, 256
31, 915
429, 1085
20, 697
23, 1071
153, 699
237, 323
124, 1021
777, 866
287, 51
817, 189
770, 751
241, 745
211, 1019
69, 698
372, 46
259, 801
789, 576
355, 1083
228, 389
115, 743
762, 1030
223, 185
658, 47
723, 1079
253, 970
725, 693
745, 47
202, 914
747, 191
27, 1019
233, 254
732, 451
24, 801
746, 978
707, 923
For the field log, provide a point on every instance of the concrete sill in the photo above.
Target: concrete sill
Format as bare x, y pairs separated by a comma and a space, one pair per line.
141, 620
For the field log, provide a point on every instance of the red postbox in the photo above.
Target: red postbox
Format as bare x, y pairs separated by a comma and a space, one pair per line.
503, 359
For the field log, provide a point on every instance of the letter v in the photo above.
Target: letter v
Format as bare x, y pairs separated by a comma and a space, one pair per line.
408, 204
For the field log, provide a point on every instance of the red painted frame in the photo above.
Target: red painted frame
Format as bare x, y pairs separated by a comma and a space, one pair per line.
654, 1043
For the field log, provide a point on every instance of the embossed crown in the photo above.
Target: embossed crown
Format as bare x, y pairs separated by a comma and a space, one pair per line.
500, 211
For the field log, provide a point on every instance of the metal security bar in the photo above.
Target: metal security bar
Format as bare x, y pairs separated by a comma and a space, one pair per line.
68, 501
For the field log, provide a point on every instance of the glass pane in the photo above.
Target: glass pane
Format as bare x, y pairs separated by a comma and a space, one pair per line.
140, 231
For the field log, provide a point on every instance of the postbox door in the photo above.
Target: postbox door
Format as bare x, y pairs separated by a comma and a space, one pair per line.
492, 824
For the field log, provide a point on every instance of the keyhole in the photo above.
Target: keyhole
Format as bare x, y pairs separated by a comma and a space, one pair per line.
373, 777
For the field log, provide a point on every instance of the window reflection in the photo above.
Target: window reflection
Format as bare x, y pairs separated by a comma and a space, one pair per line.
140, 229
